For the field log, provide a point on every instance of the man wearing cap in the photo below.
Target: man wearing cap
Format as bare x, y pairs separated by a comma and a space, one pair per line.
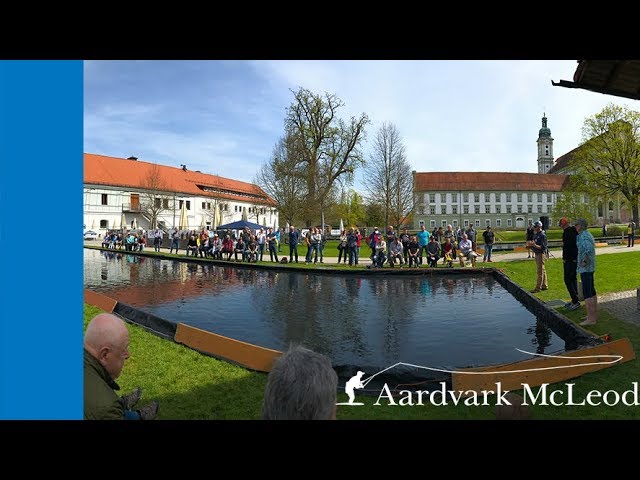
569, 262
539, 248
586, 267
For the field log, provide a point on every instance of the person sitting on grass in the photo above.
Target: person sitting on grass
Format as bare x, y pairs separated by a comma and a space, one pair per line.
106, 348
302, 385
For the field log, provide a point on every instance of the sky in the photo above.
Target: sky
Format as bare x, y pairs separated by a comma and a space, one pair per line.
225, 117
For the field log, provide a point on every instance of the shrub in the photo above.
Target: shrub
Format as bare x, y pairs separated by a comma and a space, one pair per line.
614, 231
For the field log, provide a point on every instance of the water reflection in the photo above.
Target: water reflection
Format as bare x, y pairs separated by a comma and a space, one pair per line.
454, 321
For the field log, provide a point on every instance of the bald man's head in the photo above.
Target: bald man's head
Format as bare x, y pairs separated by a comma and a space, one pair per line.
107, 339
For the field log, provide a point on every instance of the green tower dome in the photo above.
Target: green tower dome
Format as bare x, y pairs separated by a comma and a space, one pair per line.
544, 131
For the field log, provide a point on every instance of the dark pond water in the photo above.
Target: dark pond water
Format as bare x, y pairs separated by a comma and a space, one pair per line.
373, 321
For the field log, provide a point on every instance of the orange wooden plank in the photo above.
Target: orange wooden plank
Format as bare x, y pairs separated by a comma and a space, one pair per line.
242, 353
541, 370
99, 300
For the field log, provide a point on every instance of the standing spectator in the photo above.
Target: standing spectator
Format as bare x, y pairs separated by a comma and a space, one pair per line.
529, 237
488, 237
539, 248
405, 239
604, 229
157, 239
278, 239
271, 240
423, 241
342, 246
391, 234
373, 241
358, 243
570, 262
631, 231
352, 247
586, 268
413, 249
262, 241
175, 241
293, 243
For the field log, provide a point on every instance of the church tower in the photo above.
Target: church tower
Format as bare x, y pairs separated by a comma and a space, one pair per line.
545, 147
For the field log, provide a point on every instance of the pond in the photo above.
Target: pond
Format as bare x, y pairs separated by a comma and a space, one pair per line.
372, 321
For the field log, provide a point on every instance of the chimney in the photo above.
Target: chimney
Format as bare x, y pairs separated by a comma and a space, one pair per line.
132, 158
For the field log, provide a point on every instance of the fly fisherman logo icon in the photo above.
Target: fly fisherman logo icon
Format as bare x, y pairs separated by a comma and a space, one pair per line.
353, 383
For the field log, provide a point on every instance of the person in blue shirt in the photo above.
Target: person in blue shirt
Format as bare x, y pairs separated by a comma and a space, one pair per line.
586, 267
293, 243
423, 241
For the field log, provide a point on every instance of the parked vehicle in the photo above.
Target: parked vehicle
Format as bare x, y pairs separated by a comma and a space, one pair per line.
91, 235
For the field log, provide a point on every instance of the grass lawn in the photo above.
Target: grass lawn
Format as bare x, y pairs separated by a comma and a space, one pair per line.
190, 385
519, 236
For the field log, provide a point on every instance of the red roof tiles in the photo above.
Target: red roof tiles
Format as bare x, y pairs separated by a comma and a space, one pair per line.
120, 172
483, 181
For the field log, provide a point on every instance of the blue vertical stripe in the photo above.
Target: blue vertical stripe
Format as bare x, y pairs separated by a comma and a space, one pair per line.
41, 108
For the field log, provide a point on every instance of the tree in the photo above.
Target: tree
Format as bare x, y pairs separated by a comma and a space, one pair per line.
351, 208
390, 181
569, 204
326, 147
282, 180
155, 198
608, 162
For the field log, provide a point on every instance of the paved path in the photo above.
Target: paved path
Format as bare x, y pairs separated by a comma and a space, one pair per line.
623, 305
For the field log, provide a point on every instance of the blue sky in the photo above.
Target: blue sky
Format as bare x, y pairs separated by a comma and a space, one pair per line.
224, 117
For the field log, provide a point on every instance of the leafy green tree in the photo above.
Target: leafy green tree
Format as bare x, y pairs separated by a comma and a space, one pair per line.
351, 208
608, 162
569, 204
327, 148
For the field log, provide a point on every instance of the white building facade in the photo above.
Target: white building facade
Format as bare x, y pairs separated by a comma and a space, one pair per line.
126, 193
504, 200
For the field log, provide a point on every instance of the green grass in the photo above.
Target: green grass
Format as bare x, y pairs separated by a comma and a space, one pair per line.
190, 385
509, 236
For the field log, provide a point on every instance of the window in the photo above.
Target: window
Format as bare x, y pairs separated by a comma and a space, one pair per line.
208, 205
487, 197
508, 208
421, 223
611, 206
432, 198
236, 208
165, 203
530, 197
454, 209
548, 198
204, 205
539, 208
443, 223
498, 222
477, 222
432, 209
498, 208
539, 197
180, 202
454, 197
529, 208
487, 209
509, 223
465, 209
432, 223
519, 208
465, 197
519, 197
104, 223
455, 224
443, 210
104, 199
466, 223
476, 209
476, 197
487, 223
157, 202
188, 204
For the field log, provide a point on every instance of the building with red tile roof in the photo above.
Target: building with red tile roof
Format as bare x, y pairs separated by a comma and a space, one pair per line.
127, 193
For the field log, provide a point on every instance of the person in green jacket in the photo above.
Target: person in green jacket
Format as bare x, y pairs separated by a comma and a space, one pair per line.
106, 348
